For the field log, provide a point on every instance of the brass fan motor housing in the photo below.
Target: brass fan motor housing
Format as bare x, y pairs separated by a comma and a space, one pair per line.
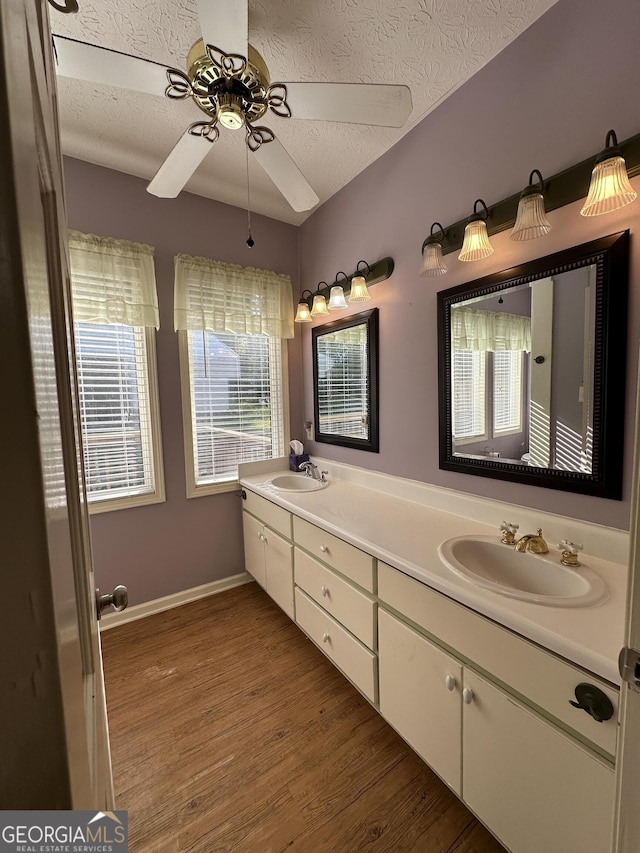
243, 97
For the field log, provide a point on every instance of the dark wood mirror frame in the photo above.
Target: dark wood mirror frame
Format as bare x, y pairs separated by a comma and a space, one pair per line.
370, 319
611, 258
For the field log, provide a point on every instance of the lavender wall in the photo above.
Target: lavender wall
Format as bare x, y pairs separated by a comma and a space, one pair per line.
545, 102
161, 549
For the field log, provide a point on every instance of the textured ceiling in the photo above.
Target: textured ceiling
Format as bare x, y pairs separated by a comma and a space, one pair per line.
431, 45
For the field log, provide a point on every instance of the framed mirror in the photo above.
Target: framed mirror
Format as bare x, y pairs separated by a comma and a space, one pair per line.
532, 364
345, 381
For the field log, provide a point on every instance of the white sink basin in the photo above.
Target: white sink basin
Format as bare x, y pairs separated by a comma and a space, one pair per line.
297, 483
538, 578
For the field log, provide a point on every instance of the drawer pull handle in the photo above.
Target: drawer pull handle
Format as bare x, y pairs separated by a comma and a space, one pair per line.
594, 701
450, 682
324, 549
467, 695
324, 591
325, 638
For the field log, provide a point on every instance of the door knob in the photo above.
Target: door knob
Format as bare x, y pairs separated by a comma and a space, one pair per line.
467, 695
118, 599
594, 701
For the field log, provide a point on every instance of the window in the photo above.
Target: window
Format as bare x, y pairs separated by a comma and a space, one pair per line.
468, 394
479, 377
115, 308
232, 322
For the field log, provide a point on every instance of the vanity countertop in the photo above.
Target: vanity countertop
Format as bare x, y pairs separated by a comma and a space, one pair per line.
406, 535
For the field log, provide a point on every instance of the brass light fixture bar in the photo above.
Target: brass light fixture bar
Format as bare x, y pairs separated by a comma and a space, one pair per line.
380, 271
564, 188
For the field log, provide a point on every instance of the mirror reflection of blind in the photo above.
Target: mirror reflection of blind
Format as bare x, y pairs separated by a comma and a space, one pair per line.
235, 402
468, 386
507, 391
114, 409
343, 398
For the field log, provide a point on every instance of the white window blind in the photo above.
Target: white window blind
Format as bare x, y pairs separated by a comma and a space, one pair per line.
507, 391
232, 320
236, 394
115, 306
468, 393
343, 399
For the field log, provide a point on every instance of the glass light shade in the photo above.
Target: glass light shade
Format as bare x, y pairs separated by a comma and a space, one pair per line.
302, 314
359, 292
432, 261
609, 189
476, 243
337, 300
531, 221
319, 307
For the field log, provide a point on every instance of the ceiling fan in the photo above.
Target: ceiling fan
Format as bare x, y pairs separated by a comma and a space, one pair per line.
233, 88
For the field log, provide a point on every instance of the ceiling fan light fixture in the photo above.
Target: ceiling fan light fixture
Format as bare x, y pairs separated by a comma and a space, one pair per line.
230, 111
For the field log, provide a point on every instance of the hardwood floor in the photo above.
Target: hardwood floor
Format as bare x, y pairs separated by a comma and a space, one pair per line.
230, 731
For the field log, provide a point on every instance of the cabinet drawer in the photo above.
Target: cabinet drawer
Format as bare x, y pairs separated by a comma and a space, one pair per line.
337, 596
356, 661
345, 558
273, 516
538, 675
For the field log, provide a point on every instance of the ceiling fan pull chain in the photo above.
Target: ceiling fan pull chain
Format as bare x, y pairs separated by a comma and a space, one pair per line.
250, 241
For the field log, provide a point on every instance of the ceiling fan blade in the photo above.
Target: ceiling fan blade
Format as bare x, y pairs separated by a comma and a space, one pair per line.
225, 24
184, 159
284, 173
100, 65
359, 103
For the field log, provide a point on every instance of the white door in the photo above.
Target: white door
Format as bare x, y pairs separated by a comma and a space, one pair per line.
627, 829
53, 726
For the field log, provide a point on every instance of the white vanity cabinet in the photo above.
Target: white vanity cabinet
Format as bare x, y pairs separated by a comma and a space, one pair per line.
335, 606
420, 695
269, 554
510, 757
535, 787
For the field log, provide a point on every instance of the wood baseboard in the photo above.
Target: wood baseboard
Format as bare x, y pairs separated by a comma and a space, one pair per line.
158, 605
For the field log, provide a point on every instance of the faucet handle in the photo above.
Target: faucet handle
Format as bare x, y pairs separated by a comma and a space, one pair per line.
569, 552
508, 532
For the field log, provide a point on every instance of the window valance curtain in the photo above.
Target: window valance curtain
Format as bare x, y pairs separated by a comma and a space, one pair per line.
112, 281
479, 331
214, 296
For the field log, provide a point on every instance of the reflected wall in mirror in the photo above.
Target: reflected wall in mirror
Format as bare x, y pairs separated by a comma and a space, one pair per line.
345, 381
532, 370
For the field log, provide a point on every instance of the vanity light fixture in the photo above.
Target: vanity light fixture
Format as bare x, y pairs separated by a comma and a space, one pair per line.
476, 243
531, 219
563, 188
337, 302
313, 304
610, 188
359, 292
319, 307
432, 260
303, 315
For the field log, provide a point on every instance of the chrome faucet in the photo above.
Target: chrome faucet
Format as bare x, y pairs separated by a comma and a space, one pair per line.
310, 470
532, 542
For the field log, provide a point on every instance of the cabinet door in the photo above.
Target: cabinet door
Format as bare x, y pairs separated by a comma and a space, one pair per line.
278, 557
254, 549
531, 784
415, 677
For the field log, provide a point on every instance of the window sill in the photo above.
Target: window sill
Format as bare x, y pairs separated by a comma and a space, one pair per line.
212, 488
113, 504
